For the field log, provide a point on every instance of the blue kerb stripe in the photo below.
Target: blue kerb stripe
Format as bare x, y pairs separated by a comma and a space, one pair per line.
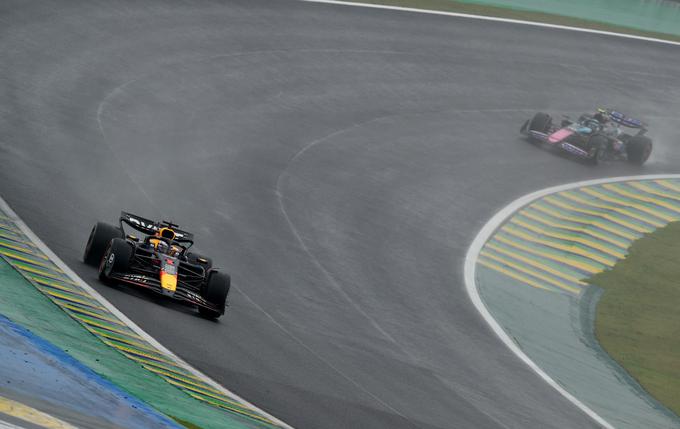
67, 360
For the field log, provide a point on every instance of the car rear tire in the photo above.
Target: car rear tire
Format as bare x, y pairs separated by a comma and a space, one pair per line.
116, 259
541, 122
100, 237
215, 291
638, 149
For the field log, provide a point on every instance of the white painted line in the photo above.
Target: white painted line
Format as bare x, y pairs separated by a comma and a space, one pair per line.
495, 19
471, 266
80, 282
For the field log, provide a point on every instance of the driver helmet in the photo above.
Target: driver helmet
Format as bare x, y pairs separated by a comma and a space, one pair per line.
601, 116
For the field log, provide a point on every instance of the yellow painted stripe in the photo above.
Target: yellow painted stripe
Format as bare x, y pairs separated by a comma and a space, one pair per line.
10, 235
587, 231
644, 187
13, 255
515, 276
91, 314
19, 248
103, 326
71, 299
594, 222
561, 259
191, 380
31, 415
188, 383
669, 185
46, 283
235, 410
46, 274
566, 237
157, 365
155, 356
105, 333
124, 341
54, 272
640, 207
218, 397
647, 199
535, 263
566, 248
532, 273
610, 217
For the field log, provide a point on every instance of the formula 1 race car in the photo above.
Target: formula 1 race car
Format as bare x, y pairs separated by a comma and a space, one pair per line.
160, 262
595, 137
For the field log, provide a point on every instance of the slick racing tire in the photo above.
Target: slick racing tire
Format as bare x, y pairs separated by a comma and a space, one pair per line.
638, 149
116, 259
541, 122
215, 291
194, 258
597, 149
100, 237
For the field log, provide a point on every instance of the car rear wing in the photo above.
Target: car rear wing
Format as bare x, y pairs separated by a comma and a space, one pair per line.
150, 227
626, 121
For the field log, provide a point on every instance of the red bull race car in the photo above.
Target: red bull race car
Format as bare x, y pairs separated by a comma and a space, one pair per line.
160, 262
606, 135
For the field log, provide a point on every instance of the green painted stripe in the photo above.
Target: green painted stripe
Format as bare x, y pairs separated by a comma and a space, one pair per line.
125, 342
643, 191
90, 322
588, 205
17, 256
646, 208
192, 384
10, 235
63, 296
55, 284
603, 224
654, 188
155, 356
177, 370
553, 222
44, 270
519, 255
537, 275
575, 261
16, 244
227, 407
600, 246
97, 331
79, 312
633, 212
219, 397
561, 245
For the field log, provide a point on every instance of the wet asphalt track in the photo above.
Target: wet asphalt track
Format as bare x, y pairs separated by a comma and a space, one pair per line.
338, 161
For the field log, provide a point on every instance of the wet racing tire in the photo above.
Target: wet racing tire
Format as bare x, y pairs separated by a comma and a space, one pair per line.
215, 291
638, 149
100, 237
541, 122
116, 259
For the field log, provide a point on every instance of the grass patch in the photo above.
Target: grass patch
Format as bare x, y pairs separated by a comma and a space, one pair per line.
638, 317
502, 12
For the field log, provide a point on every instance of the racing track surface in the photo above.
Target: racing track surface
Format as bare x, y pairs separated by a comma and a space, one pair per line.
337, 160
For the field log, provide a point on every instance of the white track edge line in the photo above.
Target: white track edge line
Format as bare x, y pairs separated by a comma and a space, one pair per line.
471, 266
132, 325
496, 19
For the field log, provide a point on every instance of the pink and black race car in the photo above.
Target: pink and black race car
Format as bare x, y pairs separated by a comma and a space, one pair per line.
595, 137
